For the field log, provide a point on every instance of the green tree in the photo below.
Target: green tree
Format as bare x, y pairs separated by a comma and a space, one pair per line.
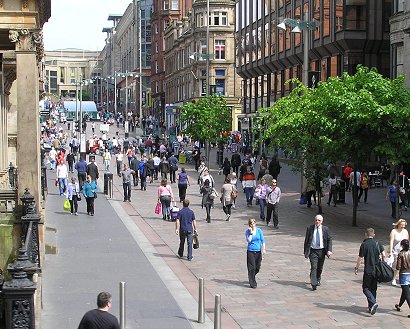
206, 120
343, 118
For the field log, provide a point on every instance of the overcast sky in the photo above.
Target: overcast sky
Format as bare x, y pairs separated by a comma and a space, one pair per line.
79, 23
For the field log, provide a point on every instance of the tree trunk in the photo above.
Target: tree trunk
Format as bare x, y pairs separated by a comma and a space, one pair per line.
355, 189
397, 203
207, 154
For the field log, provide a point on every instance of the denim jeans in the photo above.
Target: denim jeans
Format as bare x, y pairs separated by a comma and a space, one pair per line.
262, 204
62, 185
188, 235
369, 289
166, 206
249, 191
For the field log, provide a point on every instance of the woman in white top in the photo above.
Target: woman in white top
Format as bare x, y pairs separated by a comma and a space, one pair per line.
62, 177
397, 234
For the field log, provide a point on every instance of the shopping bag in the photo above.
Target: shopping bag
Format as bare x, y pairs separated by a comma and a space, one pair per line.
303, 199
158, 208
67, 205
195, 241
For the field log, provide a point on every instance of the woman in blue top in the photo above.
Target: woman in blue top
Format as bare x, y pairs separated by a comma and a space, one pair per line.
256, 247
391, 196
183, 182
89, 190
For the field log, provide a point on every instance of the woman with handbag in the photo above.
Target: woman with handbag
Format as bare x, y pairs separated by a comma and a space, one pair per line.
73, 195
207, 201
403, 265
89, 192
165, 196
226, 197
256, 248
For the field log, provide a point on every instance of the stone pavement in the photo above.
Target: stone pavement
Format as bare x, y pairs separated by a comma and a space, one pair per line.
283, 298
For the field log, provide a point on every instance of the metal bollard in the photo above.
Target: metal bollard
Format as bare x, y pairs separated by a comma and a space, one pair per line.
122, 305
201, 301
217, 312
110, 190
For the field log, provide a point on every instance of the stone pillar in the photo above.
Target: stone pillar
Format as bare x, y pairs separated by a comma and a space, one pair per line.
28, 118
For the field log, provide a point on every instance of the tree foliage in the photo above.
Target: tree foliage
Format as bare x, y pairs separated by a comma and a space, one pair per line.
344, 118
207, 119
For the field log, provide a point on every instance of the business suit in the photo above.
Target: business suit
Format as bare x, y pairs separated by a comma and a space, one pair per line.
317, 253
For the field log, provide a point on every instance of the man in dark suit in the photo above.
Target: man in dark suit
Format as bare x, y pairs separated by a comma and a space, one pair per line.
318, 244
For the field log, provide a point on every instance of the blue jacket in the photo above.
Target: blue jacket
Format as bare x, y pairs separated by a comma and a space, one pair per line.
89, 189
257, 240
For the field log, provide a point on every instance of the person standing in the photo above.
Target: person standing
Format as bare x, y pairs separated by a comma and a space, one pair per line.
157, 161
391, 196
118, 160
100, 318
135, 167
256, 248
364, 186
89, 190
52, 156
183, 182
403, 266
226, 197
73, 191
126, 174
107, 160
249, 184
370, 251
260, 193
185, 227
165, 196
173, 165
397, 234
81, 167
272, 202
207, 201
236, 163
333, 190
318, 244
70, 160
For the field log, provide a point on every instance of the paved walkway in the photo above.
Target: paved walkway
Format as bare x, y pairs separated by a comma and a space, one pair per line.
283, 298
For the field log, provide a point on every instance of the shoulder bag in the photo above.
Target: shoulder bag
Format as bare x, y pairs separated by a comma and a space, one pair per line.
384, 273
195, 240
234, 193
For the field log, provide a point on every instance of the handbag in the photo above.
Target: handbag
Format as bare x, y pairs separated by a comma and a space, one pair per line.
195, 240
158, 208
78, 196
67, 205
95, 195
234, 194
384, 273
213, 194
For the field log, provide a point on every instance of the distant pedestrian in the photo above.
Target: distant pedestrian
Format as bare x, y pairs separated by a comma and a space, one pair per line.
226, 197
135, 167
370, 251
126, 174
118, 159
107, 160
226, 167
318, 244
403, 266
164, 167
207, 201
183, 182
73, 192
249, 184
272, 202
92, 170
274, 167
256, 248
391, 195
260, 194
81, 167
364, 186
333, 189
62, 177
236, 162
185, 227
165, 196
70, 158
100, 318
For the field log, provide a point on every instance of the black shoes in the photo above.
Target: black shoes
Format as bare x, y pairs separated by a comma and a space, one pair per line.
397, 307
314, 287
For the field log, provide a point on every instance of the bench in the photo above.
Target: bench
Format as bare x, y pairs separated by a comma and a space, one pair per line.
8, 199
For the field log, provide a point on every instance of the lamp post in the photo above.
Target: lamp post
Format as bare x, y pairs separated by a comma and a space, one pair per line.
297, 27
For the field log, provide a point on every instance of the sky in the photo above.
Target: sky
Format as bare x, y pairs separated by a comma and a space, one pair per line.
79, 23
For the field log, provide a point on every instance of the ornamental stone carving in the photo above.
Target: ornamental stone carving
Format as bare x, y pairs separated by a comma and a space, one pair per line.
30, 40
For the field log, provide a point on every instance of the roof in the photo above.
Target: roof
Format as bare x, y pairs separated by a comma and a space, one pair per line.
87, 106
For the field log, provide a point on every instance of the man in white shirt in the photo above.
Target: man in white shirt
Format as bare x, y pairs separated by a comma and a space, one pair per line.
272, 201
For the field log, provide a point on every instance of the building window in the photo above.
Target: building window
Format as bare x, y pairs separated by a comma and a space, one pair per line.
219, 49
202, 47
398, 6
174, 4
62, 74
219, 73
339, 15
397, 55
355, 16
219, 18
156, 67
166, 4
220, 86
53, 81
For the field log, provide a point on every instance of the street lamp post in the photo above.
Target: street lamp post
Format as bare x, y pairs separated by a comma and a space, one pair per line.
115, 93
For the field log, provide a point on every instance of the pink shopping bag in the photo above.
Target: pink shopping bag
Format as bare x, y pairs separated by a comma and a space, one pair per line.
158, 208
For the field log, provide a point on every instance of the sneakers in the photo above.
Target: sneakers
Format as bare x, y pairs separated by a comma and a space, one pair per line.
373, 309
228, 217
394, 283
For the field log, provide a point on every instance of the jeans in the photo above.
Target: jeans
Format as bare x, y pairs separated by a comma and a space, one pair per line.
52, 164
188, 235
262, 204
166, 205
249, 191
90, 205
119, 167
227, 208
208, 212
127, 191
107, 165
74, 204
370, 289
253, 262
81, 179
365, 194
272, 211
62, 185
172, 175
135, 178
182, 191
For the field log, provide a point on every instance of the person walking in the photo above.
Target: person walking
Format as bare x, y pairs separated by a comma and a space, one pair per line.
391, 196
256, 248
226, 197
70, 158
274, 167
135, 168
236, 163
72, 194
207, 201
333, 187
118, 160
272, 202
157, 161
92, 170
62, 177
89, 192
100, 318
107, 160
397, 234
249, 184
318, 244
260, 193
173, 166
126, 174
165, 196
403, 266
364, 186
81, 167
185, 227
370, 251
226, 167
164, 167
183, 182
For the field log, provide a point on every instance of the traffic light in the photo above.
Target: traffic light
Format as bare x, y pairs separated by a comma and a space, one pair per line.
76, 125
